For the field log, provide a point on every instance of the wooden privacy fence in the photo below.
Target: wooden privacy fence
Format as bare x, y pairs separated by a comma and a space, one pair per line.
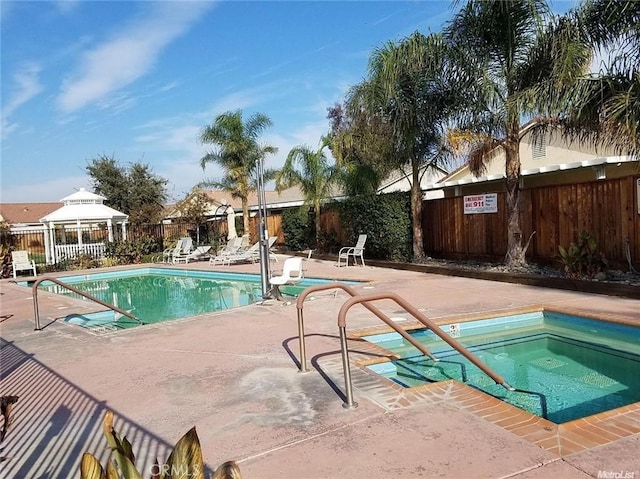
607, 210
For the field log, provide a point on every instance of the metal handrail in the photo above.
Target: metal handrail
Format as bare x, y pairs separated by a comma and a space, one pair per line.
342, 324
74, 290
373, 309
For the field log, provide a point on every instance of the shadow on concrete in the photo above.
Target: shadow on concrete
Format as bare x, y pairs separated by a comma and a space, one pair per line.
55, 422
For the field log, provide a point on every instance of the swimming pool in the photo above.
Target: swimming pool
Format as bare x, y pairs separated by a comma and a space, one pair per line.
155, 295
563, 367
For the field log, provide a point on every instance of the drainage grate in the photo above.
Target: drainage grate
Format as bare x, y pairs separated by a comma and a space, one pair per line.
548, 363
598, 380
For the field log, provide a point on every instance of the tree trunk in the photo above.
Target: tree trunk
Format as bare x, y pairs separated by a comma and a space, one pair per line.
515, 252
416, 212
245, 217
316, 206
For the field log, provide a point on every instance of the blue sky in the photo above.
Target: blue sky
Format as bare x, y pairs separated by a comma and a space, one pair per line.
140, 80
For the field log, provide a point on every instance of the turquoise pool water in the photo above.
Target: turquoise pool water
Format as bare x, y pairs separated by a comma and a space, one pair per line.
154, 295
563, 367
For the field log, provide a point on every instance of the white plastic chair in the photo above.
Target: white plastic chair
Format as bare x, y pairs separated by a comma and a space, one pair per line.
20, 262
198, 254
353, 252
292, 273
179, 253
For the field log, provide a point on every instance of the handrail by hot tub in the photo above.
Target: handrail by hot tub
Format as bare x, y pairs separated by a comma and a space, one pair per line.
342, 325
373, 309
36, 313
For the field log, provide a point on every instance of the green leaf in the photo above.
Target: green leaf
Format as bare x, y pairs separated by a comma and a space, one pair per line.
127, 467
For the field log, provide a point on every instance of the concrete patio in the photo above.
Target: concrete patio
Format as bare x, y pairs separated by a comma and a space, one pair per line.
234, 376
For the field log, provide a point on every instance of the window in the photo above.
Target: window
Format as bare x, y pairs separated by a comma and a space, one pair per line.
539, 147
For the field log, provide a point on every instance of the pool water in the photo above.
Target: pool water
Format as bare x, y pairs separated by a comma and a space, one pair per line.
562, 367
155, 295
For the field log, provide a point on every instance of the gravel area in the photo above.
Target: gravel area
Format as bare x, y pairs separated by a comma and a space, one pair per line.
612, 276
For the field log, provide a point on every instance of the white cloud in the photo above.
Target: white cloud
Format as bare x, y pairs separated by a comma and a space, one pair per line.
26, 87
66, 6
128, 55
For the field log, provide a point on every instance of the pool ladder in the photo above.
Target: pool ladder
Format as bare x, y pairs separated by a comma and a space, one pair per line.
36, 312
365, 300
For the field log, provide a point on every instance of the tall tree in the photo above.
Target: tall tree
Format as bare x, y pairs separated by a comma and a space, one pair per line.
237, 152
519, 54
312, 172
362, 144
413, 87
193, 209
604, 107
134, 189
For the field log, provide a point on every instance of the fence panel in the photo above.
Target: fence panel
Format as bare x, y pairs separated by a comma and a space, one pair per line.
607, 210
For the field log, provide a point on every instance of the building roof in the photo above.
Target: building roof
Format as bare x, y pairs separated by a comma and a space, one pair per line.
287, 198
26, 213
549, 153
83, 213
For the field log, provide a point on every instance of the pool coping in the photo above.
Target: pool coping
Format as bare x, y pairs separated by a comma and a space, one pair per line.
560, 439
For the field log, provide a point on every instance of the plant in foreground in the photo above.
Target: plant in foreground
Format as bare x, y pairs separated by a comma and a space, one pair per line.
6, 405
583, 259
185, 461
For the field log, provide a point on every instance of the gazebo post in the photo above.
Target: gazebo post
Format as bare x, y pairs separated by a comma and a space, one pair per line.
47, 245
110, 230
124, 231
79, 233
52, 241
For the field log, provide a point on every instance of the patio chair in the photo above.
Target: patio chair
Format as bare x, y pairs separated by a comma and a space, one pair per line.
234, 246
199, 254
169, 253
249, 255
186, 248
20, 262
353, 252
292, 273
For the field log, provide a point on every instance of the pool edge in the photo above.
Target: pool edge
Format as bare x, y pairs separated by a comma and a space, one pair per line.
560, 439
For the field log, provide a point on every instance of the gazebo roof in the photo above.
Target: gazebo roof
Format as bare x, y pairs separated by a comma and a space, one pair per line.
84, 206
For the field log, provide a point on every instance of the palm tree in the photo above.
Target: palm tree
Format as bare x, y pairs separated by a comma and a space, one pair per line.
411, 86
605, 107
520, 54
238, 153
312, 172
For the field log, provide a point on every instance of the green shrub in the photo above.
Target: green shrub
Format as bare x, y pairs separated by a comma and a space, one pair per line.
298, 228
127, 252
385, 219
583, 260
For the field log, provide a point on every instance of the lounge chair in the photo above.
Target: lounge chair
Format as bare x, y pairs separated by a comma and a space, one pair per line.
20, 262
353, 252
178, 254
234, 246
292, 273
199, 254
169, 253
250, 255
253, 254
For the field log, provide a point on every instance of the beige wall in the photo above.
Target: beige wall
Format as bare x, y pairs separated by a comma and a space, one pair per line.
558, 151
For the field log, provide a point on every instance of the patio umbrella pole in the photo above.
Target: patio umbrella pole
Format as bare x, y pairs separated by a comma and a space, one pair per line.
263, 234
